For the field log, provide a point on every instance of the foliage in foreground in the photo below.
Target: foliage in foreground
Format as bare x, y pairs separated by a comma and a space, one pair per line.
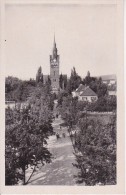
27, 131
96, 156
94, 143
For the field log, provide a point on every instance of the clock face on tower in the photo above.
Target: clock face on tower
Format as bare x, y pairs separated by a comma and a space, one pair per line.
54, 63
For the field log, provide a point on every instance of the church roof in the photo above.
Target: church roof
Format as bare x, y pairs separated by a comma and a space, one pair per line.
88, 92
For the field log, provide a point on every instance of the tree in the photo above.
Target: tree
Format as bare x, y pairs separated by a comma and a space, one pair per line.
39, 76
61, 97
75, 80
101, 89
61, 81
64, 82
111, 103
69, 110
93, 85
96, 85
49, 80
69, 87
88, 74
18, 90
88, 79
96, 157
11, 85
104, 104
27, 131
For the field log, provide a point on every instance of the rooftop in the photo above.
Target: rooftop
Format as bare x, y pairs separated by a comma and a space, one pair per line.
88, 92
80, 88
108, 77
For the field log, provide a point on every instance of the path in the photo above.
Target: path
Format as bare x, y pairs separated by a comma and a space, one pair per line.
60, 171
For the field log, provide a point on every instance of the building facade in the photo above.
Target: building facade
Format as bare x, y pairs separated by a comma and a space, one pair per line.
54, 69
85, 93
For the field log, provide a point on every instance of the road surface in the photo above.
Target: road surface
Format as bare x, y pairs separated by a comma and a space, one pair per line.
60, 171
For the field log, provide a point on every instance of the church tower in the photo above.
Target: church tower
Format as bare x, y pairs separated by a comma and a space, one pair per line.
54, 69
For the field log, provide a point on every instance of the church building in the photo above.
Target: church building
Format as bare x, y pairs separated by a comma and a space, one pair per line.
54, 69
58, 81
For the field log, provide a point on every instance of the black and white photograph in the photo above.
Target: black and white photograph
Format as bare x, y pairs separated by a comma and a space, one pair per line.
61, 93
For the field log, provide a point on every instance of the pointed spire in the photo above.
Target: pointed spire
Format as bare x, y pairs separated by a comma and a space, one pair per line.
54, 48
54, 34
54, 37
54, 45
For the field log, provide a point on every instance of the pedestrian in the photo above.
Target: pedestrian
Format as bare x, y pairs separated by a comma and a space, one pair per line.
57, 136
64, 135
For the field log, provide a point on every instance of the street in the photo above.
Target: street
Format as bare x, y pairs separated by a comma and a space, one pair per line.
60, 171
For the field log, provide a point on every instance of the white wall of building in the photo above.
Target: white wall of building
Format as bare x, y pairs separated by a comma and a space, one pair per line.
88, 98
112, 92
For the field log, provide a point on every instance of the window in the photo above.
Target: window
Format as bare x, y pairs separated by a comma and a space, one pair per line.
84, 98
54, 73
93, 99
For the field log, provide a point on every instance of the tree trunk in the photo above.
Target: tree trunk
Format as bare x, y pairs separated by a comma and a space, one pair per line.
30, 176
23, 175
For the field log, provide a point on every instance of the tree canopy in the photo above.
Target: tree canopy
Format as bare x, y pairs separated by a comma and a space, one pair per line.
96, 159
39, 75
18, 90
27, 132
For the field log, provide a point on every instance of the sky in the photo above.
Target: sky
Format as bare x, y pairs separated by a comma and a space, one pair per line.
85, 36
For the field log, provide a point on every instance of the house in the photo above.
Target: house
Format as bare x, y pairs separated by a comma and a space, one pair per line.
78, 91
109, 79
112, 90
111, 93
88, 95
85, 93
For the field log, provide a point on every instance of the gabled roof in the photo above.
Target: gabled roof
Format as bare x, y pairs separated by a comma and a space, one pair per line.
88, 92
80, 88
108, 77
